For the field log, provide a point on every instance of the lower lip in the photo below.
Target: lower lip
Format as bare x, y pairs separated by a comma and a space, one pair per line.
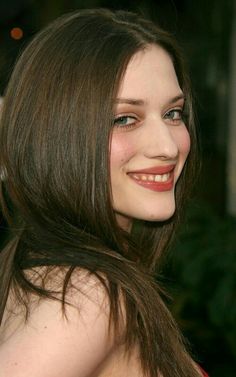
156, 186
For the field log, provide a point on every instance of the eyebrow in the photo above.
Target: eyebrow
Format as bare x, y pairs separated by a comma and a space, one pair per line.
176, 98
140, 102
130, 101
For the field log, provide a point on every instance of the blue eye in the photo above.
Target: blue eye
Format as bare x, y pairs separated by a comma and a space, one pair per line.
125, 121
174, 115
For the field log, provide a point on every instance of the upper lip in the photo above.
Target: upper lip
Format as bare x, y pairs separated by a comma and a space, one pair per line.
155, 170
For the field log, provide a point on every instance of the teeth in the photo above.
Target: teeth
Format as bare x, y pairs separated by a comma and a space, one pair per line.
158, 178
152, 177
162, 178
165, 177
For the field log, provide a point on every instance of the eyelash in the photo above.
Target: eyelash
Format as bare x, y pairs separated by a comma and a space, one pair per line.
126, 126
180, 115
181, 118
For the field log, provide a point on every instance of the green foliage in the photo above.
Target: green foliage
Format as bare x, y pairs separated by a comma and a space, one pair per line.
204, 266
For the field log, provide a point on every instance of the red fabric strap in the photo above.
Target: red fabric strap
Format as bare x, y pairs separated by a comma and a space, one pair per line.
204, 374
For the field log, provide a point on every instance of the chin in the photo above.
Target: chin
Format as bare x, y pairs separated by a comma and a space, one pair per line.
151, 212
161, 211
160, 217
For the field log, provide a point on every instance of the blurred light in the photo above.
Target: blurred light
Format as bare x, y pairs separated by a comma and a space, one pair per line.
16, 33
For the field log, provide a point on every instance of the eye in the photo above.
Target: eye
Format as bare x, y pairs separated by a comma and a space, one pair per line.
125, 121
174, 115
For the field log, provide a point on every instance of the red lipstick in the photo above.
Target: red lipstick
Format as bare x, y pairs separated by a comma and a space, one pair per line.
155, 170
147, 178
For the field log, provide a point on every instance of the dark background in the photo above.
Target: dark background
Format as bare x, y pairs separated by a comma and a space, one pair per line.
201, 273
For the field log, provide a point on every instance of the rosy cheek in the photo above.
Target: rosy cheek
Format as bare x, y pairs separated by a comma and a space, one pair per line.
186, 143
121, 148
183, 141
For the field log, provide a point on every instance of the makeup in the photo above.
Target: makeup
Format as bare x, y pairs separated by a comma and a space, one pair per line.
157, 178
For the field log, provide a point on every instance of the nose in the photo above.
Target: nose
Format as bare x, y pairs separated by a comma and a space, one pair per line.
159, 141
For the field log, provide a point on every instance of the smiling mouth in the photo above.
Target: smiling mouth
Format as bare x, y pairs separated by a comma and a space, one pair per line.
151, 177
164, 181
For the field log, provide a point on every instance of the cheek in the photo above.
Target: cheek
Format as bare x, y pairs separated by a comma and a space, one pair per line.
121, 149
183, 141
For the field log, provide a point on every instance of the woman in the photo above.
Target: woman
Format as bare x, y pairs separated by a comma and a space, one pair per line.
95, 149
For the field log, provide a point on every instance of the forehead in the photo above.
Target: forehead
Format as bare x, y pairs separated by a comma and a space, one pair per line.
149, 71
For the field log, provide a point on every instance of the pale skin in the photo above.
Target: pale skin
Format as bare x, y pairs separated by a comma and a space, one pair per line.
51, 346
149, 132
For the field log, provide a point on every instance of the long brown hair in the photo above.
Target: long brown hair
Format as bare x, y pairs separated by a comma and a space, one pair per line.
55, 191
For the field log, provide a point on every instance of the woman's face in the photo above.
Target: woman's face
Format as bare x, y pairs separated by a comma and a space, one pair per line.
149, 142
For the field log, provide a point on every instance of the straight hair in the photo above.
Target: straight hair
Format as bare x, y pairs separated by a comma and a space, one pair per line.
55, 130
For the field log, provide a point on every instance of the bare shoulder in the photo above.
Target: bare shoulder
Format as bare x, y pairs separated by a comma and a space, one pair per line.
50, 344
